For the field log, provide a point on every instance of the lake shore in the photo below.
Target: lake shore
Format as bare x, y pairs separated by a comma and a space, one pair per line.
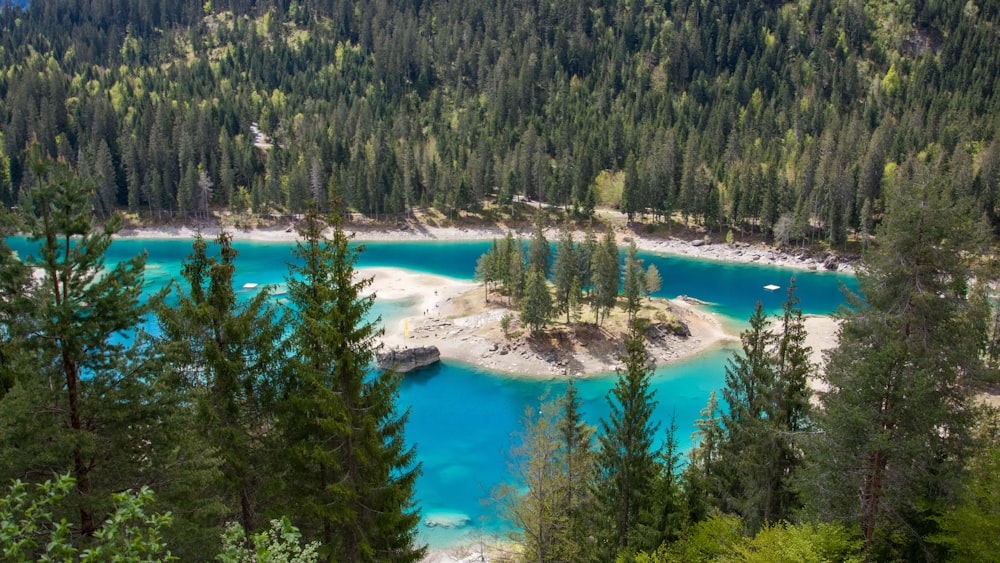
475, 338
454, 316
418, 231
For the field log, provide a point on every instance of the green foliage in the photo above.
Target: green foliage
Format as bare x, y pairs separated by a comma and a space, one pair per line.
605, 277
709, 540
909, 357
552, 463
536, 308
281, 543
732, 117
626, 463
29, 530
234, 351
351, 472
968, 532
110, 414
634, 282
654, 283
806, 543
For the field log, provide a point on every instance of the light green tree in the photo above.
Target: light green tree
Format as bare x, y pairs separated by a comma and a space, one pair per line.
654, 282
31, 531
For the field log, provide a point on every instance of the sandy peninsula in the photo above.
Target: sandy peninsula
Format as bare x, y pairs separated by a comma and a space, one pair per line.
454, 316
446, 312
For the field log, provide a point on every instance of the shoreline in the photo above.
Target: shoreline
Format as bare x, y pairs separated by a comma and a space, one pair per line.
453, 316
740, 253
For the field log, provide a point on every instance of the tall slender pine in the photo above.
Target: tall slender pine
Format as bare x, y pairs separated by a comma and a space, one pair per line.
353, 472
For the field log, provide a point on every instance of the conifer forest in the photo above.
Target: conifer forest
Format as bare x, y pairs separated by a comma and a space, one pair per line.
246, 431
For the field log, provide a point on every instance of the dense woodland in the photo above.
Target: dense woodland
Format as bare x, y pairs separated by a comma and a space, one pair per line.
739, 115
801, 121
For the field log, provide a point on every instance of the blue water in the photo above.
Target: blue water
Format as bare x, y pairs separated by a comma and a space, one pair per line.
462, 417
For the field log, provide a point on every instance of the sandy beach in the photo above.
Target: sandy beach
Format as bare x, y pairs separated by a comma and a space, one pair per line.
416, 231
437, 318
453, 316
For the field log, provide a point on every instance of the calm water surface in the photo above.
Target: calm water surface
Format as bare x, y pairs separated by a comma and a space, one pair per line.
461, 416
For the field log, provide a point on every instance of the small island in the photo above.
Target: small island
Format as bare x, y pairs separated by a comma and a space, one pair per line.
454, 316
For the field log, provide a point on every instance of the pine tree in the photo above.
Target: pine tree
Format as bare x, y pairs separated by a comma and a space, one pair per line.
576, 448
352, 478
538, 250
605, 276
626, 463
100, 401
536, 309
15, 310
234, 349
896, 419
747, 450
669, 498
566, 274
634, 284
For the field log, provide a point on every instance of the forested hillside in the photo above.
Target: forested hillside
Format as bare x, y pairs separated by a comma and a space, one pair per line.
737, 114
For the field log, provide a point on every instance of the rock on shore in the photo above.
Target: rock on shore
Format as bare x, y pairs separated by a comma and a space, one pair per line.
408, 359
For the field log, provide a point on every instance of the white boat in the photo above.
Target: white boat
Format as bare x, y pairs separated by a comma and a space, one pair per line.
772, 287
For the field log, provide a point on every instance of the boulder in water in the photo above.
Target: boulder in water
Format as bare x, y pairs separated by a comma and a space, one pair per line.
408, 359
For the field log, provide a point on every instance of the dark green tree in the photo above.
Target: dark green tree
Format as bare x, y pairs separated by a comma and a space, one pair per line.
634, 282
897, 417
536, 308
352, 473
539, 251
233, 350
576, 448
566, 274
100, 402
626, 460
605, 276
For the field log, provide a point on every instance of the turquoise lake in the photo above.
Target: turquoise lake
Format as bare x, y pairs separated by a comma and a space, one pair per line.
462, 417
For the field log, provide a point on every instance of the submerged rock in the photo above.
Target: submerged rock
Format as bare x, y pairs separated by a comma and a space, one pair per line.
447, 520
408, 359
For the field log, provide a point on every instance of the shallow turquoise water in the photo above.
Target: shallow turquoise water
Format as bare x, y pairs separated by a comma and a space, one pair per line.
462, 417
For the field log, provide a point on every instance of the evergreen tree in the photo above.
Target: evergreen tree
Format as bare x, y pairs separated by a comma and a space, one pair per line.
15, 310
538, 251
536, 309
517, 273
626, 463
634, 284
605, 276
896, 419
747, 449
668, 496
576, 447
352, 473
566, 274
100, 401
234, 351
